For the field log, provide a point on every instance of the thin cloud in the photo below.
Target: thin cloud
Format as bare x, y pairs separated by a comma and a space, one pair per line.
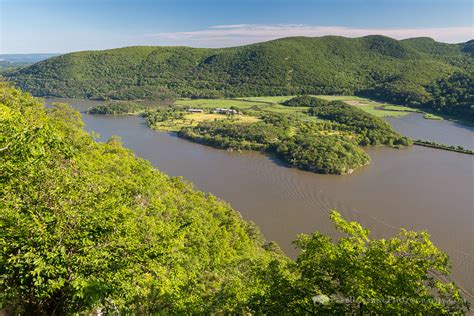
239, 34
231, 26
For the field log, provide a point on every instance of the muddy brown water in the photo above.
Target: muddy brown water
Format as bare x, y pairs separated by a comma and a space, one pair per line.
417, 188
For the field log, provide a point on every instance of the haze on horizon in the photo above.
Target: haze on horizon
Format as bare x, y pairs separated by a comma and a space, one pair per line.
54, 26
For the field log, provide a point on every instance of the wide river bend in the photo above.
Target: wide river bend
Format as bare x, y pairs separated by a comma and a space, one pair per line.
417, 188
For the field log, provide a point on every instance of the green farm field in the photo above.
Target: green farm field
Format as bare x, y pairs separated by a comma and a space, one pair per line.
274, 104
217, 103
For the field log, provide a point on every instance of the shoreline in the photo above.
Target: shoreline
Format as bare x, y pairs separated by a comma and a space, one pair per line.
443, 147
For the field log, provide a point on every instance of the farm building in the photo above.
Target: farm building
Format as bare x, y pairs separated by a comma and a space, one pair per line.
195, 110
225, 111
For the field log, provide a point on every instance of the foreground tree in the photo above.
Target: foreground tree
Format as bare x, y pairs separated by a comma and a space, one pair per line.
87, 226
360, 275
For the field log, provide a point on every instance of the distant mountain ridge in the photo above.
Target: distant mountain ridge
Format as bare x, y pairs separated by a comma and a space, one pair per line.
26, 58
410, 71
10, 62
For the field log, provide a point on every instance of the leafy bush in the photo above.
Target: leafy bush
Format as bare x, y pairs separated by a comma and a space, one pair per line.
359, 275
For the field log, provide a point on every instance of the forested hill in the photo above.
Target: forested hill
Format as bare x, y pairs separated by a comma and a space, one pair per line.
417, 72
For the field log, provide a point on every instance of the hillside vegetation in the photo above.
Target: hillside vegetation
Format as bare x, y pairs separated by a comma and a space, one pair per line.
118, 108
87, 225
417, 72
305, 100
88, 228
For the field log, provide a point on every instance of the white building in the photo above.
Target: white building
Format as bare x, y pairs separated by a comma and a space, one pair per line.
225, 111
195, 110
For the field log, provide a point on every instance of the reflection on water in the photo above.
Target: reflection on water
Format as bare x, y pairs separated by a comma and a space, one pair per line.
416, 188
443, 132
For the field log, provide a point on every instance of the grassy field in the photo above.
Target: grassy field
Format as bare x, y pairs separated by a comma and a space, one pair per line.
370, 106
273, 104
400, 108
380, 110
342, 98
217, 103
248, 104
273, 99
430, 116
194, 119
278, 108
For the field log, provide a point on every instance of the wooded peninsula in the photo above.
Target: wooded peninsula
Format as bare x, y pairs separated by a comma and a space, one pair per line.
313, 134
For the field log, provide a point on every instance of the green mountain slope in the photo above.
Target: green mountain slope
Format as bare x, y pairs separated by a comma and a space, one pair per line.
430, 46
86, 224
377, 66
468, 47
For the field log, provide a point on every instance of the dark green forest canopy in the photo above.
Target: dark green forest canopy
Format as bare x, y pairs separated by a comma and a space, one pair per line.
305, 100
87, 227
417, 72
118, 108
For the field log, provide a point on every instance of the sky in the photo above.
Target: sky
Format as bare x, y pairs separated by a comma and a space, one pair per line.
60, 26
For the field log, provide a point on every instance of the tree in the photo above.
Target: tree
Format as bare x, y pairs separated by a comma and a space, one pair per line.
373, 276
87, 226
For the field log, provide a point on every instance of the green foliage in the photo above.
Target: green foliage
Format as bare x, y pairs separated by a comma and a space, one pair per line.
117, 108
454, 95
432, 144
317, 147
162, 115
305, 100
468, 47
88, 226
376, 66
371, 130
322, 154
358, 275
224, 134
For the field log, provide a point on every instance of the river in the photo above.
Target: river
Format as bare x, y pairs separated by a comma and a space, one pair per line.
443, 132
415, 188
